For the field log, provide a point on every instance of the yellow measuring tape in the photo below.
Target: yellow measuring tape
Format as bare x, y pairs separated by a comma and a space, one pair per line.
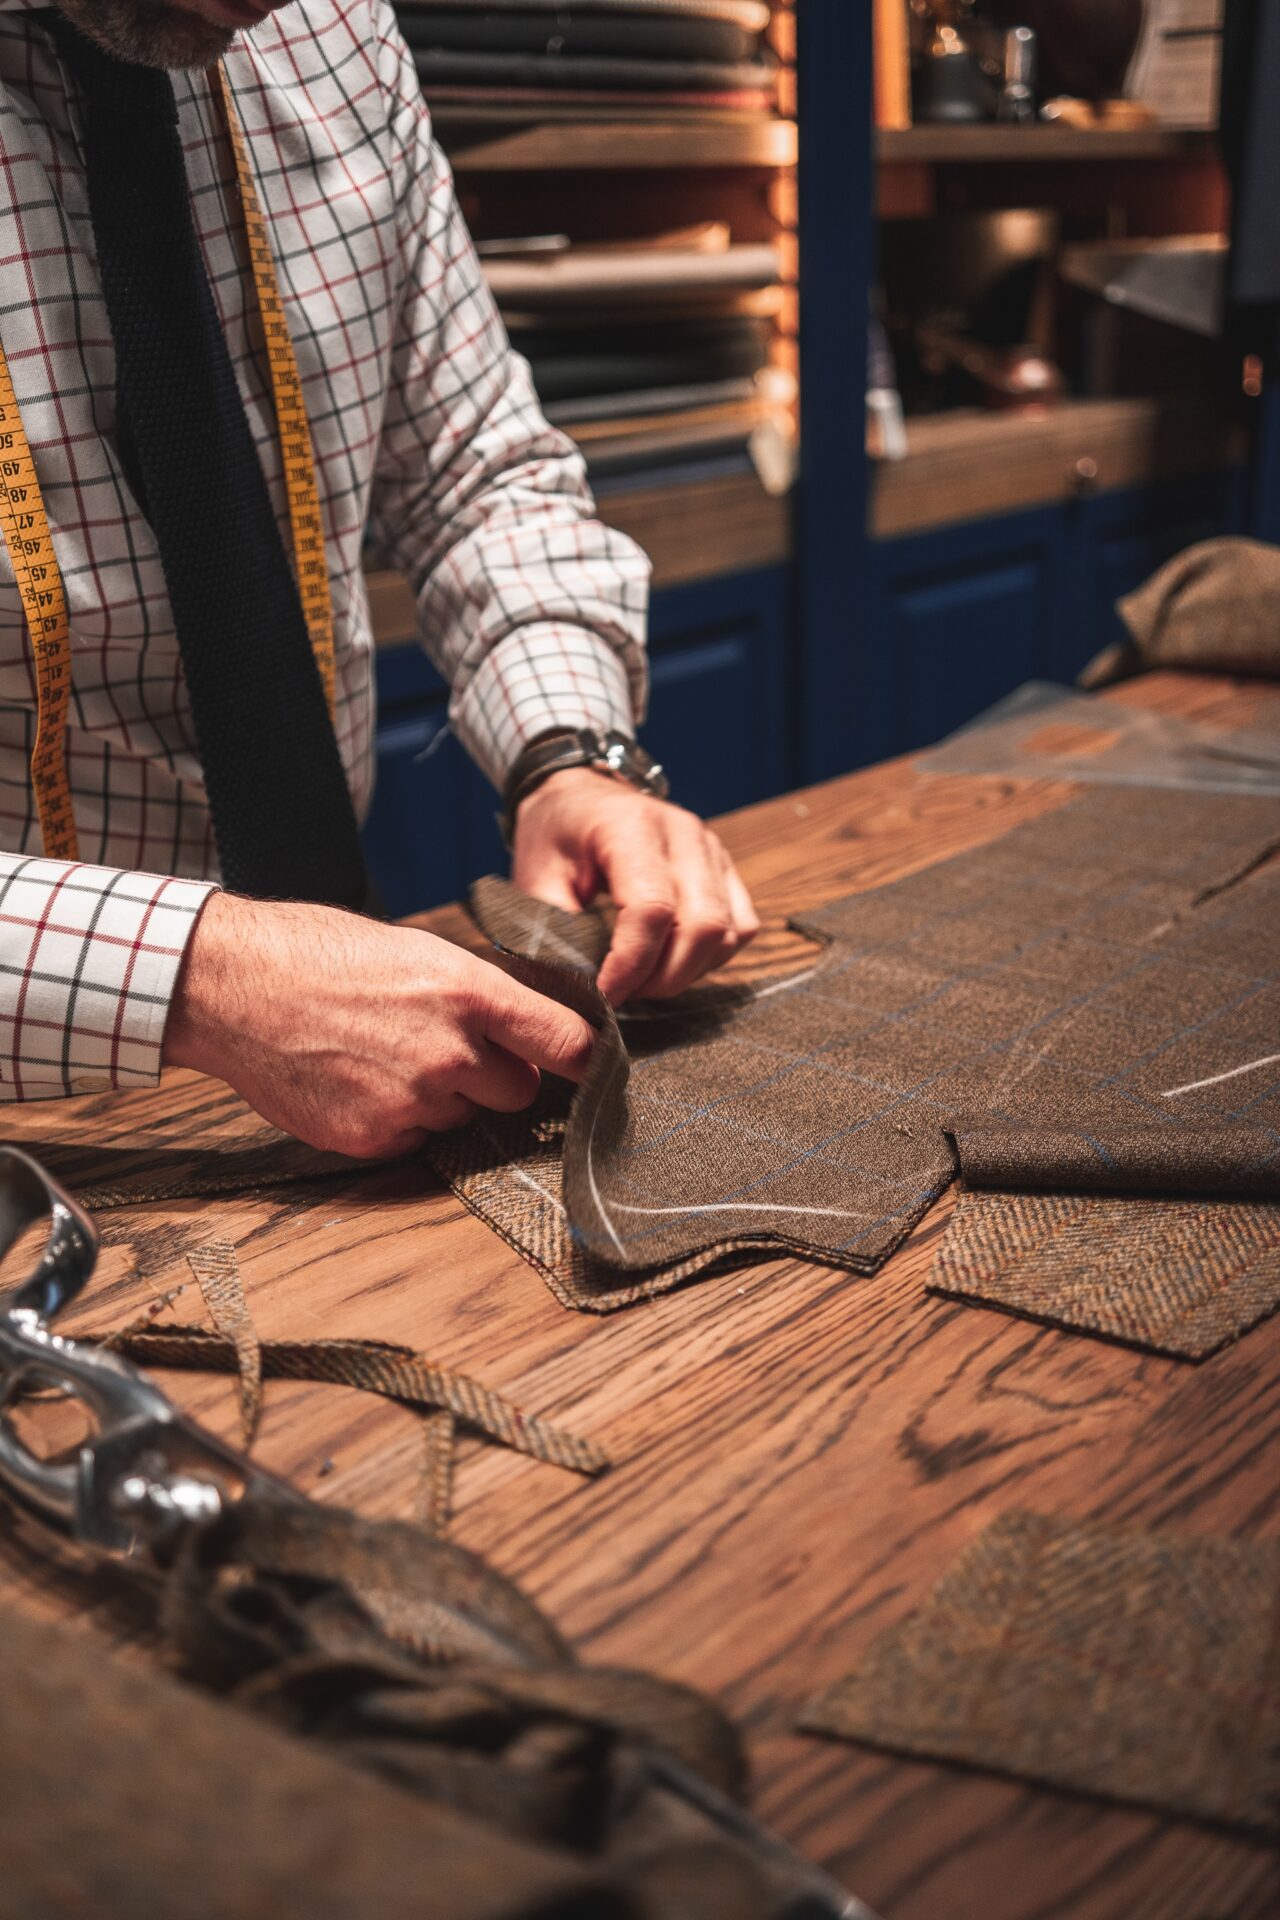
26, 526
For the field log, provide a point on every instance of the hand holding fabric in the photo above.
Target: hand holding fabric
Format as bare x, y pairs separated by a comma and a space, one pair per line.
682, 906
360, 1038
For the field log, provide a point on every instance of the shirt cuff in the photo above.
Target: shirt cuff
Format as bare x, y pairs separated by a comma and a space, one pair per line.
90, 959
544, 677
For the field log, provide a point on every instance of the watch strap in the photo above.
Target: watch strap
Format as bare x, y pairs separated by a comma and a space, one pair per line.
566, 747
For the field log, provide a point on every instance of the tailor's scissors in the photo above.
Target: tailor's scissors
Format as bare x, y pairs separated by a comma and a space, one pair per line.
145, 1472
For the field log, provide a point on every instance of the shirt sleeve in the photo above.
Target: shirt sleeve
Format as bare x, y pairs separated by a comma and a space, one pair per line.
531, 609
90, 959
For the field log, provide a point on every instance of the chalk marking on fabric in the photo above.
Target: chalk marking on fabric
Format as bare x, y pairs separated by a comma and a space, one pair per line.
596, 1194
747, 1206
630, 1015
527, 1180
784, 986
1194, 1086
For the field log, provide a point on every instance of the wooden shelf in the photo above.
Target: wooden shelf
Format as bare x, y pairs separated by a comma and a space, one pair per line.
691, 531
968, 464
967, 146
512, 141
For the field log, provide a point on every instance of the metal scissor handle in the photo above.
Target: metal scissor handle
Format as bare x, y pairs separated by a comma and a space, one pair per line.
146, 1471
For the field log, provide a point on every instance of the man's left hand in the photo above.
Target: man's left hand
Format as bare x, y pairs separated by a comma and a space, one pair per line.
682, 907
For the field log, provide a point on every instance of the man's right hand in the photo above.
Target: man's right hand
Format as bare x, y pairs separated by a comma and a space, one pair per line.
356, 1037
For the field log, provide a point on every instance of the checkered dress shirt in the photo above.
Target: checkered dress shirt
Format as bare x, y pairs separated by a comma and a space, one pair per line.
428, 440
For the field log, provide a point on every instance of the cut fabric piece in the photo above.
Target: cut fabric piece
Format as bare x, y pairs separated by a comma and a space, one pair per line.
569, 32
1179, 1277
373, 1366
216, 1266
1107, 970
445, 1400
1210, 1157
588, 73
751, 15
624, 274
1138, 1666
567, 103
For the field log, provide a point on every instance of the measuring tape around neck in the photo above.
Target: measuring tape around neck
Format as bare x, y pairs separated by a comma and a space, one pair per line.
25, 524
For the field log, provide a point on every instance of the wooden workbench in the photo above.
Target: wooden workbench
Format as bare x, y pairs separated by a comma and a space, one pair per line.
800, 1453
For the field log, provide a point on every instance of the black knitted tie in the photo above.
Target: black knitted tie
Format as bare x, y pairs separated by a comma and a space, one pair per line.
282, 813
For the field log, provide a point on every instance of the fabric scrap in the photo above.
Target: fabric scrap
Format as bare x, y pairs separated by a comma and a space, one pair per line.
1110, 972
216, 1266
373, 1366
1216, 1157
1212, 608
1178, 1277
435, 1482
1141, 1667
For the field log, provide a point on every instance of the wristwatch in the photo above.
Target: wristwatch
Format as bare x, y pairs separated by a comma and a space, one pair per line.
615, 753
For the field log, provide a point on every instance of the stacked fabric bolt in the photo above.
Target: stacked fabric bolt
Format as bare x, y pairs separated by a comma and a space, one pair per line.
645, 351
564, 56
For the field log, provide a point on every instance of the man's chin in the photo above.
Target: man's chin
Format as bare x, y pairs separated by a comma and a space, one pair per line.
149, 33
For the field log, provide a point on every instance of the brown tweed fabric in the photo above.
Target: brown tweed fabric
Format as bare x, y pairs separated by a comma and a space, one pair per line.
1213, 607
1137, 1666
1182, 1277
372, 1366
216, 1266
1104, 972
1229, 1158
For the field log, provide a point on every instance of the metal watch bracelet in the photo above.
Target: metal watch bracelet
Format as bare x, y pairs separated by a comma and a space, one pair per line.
615, 753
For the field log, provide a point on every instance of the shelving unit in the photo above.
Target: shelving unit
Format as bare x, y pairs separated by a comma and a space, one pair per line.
510, 140
1031, 146
995, 551
970, 465
720, 540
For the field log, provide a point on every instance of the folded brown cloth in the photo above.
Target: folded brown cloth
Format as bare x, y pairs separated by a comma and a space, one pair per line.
1105, 1661
1212, 1157
1178, 1277
344, 1776
1105, 972
1214, 608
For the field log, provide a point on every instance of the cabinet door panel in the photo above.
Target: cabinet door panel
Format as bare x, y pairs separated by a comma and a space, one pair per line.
719, 710
964, 616
1123, 538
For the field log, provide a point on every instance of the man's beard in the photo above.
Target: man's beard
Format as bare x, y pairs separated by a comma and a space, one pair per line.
149, 33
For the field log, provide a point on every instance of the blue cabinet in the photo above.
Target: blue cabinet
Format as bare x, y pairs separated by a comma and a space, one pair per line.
1121, 538
958, 617
719, 721
955, 618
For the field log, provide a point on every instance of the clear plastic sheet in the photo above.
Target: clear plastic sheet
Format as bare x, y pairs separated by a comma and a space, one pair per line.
1047, 732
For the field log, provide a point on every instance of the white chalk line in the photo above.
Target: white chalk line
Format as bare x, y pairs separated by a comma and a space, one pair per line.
674, 1011
596, 1194
1194, 1086
748, 1206
527, 1179
728, 1206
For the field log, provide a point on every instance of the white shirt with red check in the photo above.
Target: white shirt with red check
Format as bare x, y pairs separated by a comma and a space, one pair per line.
428, 441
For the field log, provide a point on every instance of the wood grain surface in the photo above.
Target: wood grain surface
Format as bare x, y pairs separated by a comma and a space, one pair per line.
801, 1454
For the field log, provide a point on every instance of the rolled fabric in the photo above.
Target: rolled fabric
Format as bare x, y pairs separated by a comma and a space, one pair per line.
1213, 609
1217, 1157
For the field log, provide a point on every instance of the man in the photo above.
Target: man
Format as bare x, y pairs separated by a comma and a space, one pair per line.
348, 1033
